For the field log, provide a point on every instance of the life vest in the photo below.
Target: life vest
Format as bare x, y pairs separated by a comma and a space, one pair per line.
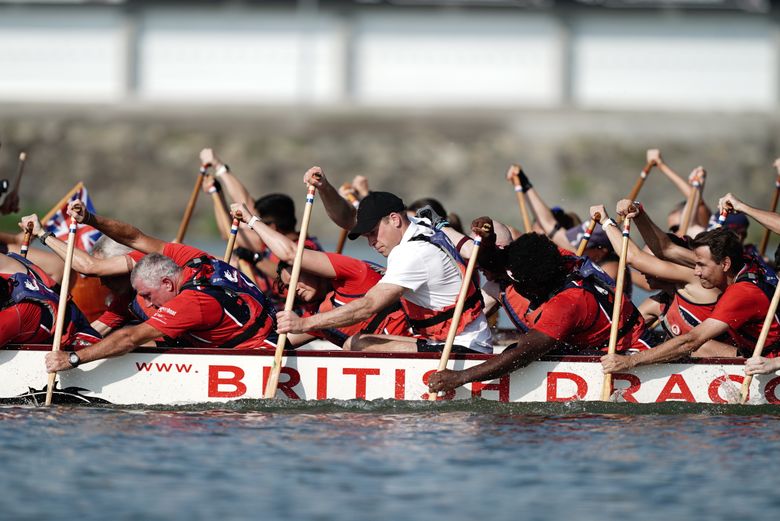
374, 325
679, 315
27, 287
585, 274
758, 273
516, 306
230, 288
436, 324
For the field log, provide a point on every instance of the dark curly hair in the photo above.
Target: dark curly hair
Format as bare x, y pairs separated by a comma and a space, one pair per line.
535, 264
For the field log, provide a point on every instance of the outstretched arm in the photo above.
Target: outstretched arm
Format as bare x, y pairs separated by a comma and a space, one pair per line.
530, 347
377, 298
314, 262
638, 259
338, 209
544, 216
121, 232
655, 238
767, 219
672, 349
82, 261
119, 343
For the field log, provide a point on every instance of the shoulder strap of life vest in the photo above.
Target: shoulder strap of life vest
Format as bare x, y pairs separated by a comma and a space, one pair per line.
225, 283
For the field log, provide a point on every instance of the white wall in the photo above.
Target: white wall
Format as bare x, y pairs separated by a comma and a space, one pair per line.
239, 55
381, 57
476, 59
695, 62
51, 54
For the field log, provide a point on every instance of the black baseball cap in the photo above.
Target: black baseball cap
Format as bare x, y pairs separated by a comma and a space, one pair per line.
371, 210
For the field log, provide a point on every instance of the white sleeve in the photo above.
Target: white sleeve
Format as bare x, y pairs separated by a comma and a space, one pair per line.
405, 267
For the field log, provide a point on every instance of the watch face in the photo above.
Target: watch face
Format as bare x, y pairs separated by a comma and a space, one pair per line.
74, 360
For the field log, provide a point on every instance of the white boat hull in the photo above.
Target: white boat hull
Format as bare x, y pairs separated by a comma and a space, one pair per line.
189, 376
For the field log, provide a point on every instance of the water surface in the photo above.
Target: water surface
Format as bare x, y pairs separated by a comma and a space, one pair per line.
385, 460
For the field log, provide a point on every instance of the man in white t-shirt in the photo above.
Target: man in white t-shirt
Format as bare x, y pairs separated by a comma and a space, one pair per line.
424, 273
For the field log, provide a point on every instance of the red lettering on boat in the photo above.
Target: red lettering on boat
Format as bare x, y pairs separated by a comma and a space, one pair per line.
162, 368
286, 386
634, 383
769, 390
552, 386
236, 374
361, 374
322, 383
400, 384
502, 387
715, 388
675, 381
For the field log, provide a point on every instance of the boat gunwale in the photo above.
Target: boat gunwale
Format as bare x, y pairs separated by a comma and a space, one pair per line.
359, 354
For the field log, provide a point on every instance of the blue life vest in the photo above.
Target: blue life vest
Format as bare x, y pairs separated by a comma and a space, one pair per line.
229, 287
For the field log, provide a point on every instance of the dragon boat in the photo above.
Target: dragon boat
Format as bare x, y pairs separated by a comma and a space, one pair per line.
177, 376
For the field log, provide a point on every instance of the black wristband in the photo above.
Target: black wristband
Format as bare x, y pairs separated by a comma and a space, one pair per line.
45, 236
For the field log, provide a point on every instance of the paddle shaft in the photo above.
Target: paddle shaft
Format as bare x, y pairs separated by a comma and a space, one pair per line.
606, 389
20, 171
770, 317
690, 210
772, 208
588, 233
273, 378
453, 331
641, 181
521, 202
185, 220
26, 240
231, 243
61, 307
343, 235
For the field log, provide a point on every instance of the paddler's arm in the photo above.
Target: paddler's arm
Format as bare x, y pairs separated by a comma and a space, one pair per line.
314, 262
767, 219
530, 347
117, 344
377, 298
672, 349
82, 261
121, 232
655, 238
338, 209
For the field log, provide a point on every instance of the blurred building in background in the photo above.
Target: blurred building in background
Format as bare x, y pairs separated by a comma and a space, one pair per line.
611, 54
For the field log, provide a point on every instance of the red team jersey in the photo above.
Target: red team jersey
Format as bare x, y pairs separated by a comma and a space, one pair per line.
743, 306
353, 279
575, 317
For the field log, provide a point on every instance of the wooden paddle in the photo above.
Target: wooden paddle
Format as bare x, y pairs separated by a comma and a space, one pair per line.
62, 306
273, 379
26, 240
350, 197
185, 220
606, 389
464, 289
588, 233
515, 170
232, 238
692, 205
772, 208
770, 317
641, 181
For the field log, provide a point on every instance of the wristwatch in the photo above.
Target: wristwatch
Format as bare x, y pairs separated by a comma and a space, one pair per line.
45, 236
74, 359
